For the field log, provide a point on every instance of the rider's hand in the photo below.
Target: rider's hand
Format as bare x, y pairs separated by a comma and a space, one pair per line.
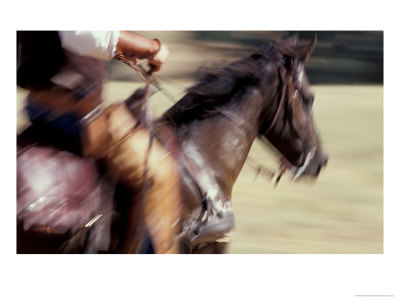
159, 58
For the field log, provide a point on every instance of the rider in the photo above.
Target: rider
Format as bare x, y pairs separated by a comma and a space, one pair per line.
70, 66
64, 73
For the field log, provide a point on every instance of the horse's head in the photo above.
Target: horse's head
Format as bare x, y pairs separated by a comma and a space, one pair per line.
289, 124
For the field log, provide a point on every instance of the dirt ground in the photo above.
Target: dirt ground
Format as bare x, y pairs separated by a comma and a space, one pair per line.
342, 212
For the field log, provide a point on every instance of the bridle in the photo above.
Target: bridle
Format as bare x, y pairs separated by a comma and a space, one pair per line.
309, 149
280, 104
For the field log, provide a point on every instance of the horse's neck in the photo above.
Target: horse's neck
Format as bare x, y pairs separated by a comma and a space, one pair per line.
216, 148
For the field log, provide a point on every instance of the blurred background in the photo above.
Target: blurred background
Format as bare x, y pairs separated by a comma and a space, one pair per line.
340, 57
342, 212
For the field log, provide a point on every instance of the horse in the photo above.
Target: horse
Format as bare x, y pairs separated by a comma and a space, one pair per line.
212, 128
209, 132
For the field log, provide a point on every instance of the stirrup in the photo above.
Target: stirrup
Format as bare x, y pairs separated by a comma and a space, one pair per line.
214, 223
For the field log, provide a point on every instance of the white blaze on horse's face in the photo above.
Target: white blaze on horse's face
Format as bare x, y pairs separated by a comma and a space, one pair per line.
300, 78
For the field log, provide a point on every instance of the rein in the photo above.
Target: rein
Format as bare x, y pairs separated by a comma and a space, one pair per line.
146, 120
281, 100
148, 77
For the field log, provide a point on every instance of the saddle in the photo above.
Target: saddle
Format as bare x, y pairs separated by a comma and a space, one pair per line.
57, 191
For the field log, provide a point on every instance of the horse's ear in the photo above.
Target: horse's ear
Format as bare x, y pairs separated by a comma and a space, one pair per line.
304, 52
292, 40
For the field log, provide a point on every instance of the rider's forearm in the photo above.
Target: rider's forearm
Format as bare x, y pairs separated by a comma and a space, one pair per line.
105, 45
134, 45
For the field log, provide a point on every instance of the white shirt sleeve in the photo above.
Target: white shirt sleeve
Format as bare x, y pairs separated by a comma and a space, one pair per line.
96, 44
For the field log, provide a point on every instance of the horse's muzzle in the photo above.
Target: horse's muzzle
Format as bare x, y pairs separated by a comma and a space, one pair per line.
312, 166
319, 161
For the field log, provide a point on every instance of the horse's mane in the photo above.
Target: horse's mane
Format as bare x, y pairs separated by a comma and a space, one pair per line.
218, 86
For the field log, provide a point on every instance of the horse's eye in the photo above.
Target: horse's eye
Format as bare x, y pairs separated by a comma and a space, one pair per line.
309, 99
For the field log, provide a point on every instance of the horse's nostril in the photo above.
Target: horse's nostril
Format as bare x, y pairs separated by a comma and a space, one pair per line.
325, 162
321, 165
318, 170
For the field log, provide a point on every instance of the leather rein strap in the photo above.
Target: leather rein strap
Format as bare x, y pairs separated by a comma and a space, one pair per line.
281, 100
148, 77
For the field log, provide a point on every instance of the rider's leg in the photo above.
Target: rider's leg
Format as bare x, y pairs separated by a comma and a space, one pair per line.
128, 153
